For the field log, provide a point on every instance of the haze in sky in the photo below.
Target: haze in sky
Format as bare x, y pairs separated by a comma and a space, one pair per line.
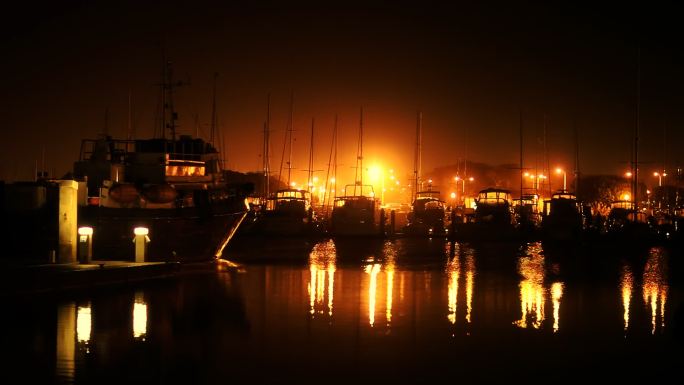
471, 70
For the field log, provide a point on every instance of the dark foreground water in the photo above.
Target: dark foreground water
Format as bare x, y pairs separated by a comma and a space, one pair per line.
408, 311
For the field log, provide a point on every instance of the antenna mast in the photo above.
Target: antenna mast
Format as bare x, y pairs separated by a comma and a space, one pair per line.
520, 129
635, 150
417, 155
359, 156
212, 132
309, 181
266, 155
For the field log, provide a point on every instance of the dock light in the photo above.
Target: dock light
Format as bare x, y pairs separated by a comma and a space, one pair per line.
85, 244
141, 231
85, 230
141, 240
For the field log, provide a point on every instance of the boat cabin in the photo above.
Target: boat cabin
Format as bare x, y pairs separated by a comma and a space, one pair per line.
493, 196
292, 201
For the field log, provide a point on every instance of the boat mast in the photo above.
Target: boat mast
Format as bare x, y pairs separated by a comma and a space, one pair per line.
129, 131
635, 150
331, 158
577, 163
265, 152
417, 156
310, 171
358, 180
520, 130
291, 129
547, 171
212, 132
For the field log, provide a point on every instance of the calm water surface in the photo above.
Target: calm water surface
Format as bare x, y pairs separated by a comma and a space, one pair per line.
406, 311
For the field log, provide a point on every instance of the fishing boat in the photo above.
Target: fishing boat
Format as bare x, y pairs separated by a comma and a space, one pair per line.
627, 225
172, 189
357, 212
427, 214
428, 211
493, 220
289, 211
562, 218
527, 218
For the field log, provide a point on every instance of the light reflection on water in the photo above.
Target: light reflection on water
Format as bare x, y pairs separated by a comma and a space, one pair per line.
626, 286
341, 306
322, 266
655, 287
534, 290
454, 272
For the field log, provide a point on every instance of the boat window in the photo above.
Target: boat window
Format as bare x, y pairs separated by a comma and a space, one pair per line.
184, 170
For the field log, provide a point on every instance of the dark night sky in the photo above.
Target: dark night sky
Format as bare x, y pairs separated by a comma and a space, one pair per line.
470, 69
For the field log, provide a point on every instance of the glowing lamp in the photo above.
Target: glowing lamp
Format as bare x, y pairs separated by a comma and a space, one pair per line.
453, 195
141, 231
85, 230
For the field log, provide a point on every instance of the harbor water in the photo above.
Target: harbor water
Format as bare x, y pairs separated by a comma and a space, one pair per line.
411, 310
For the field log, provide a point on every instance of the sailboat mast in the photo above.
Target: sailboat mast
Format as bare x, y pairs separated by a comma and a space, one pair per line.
520, 129
635, 150
577, 162
417, 156
164, 105
547, 171
212, 132
266, 160
326, 192
291, 129
309, 181
129, 128
359, 156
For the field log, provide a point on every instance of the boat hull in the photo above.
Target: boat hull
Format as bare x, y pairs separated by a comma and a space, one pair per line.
183, 234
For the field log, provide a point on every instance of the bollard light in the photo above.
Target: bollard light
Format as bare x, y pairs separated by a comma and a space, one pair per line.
85, 244
141, 231
140, 240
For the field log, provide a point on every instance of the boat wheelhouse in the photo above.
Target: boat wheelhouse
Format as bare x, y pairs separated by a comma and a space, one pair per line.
357, 214
562, 218
427, 214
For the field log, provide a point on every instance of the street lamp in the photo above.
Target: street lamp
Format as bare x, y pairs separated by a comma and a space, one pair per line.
565, 183
660, 177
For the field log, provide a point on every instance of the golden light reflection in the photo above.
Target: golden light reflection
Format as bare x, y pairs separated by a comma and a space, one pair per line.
322, 267
453, 270
470, 276
556, 295
390, 254
373, 271
531, 268
626, 285
139, 317
655, 287
390, 289
83, 324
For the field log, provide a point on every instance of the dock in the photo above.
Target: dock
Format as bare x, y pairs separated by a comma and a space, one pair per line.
47, 278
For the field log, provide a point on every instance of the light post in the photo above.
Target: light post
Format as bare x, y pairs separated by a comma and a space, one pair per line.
463, 181
660, 177
565, 181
